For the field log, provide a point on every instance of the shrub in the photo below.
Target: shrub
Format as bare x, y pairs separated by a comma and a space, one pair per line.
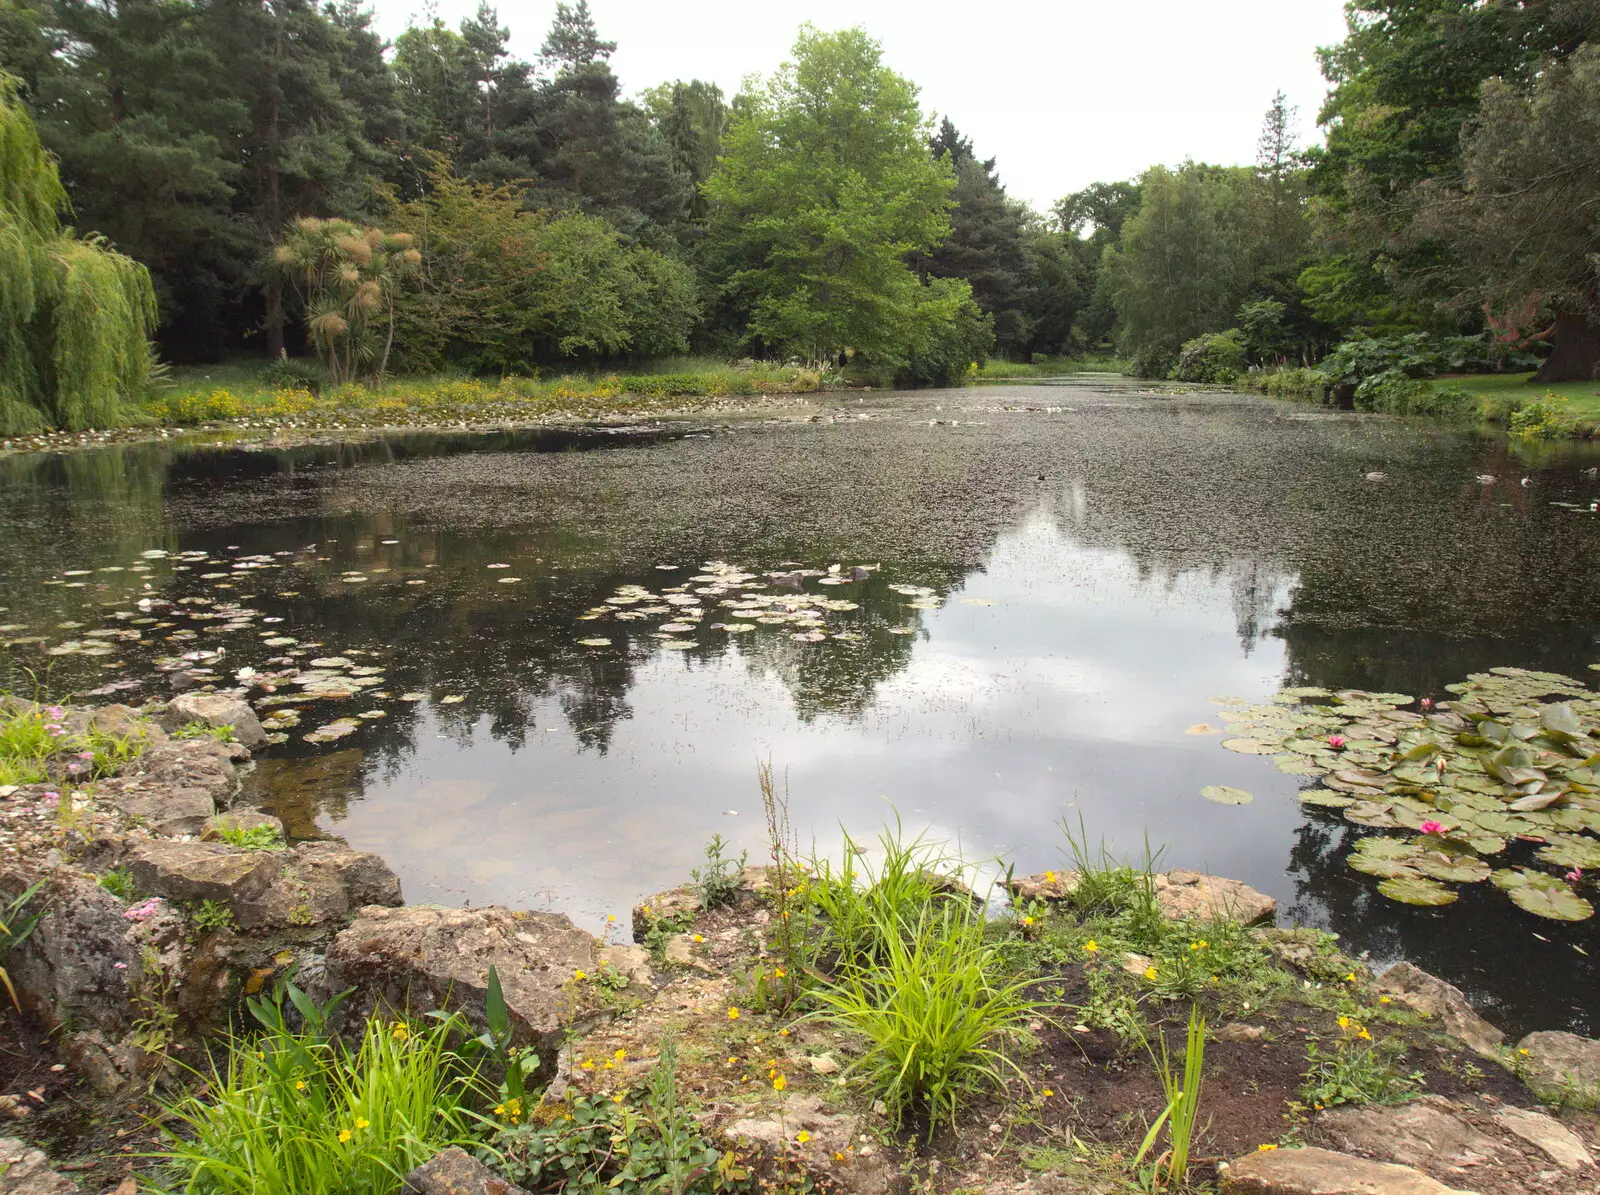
1306, 384
1544, 418
1212, 357
934, 1010
663, 385
718, 881
297, 1111
199, 408
1151, 362
288, 373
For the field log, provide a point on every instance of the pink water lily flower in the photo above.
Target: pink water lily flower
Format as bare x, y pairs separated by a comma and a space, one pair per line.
1336, 741
1427, 703
1431, 828
1575, 875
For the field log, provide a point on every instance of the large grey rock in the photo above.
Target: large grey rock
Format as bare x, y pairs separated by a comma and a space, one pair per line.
1556, 1059
169, 811
26, 1171
454, 1172
1046, 885
427, 957
216, 710
239, 819
1548, 1135
1427, 1133
182, 763
123, 721
202, 871
317, 883
1191, 895
68, 968
1312, 1171
1433, 997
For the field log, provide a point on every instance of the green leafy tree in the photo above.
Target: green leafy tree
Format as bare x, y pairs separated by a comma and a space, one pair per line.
1524, 223
691, 118
75, 317
825, 187
1091, 222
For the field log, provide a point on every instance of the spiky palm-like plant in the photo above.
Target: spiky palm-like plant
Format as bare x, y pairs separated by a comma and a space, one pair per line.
347, 278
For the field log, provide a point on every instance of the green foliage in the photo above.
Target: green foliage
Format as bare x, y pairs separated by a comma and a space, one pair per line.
210, 916
1309, 385
935, 1008
16, 927
289, 373
119, 882
1213, 357
204, 730
1182, 1112
824, 186
250, 838
1356, 1070
512, 1062
293, 1110
644, 1145
717, 882
75, 317
1545, 418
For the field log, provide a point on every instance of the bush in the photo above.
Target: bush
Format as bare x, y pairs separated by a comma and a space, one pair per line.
1544, 418
1213, 357
201, 408
1152, 363
297, 1111
287, 373
1306, 384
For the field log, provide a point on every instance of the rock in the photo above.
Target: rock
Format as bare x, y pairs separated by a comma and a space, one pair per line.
632, 961
1433, 997
203, 871
454, 1172
1547, 1134
1312, 1171
172, 812
425, 957
1561, 1059
861, 1172
316, 883
1426, 1132
26, 1171
1136, 964
824, 1064
672, 903
183, 763
67, 970
1239, 1032
123, 721
1190, 895
679, 951
216, 710
108, 1065
239, 819
1046, 886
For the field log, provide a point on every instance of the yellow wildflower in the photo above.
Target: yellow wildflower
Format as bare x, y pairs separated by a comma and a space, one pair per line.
783, 1033
609, 1066
362, 1124
1027, 921
733, 1014
838, 1157
779, 1083
1049, 877
580, 976
802, 1136
699, 937
1150, 972
1384, 1000
1048, 1093
1265, 1148
732, 1061
619, 1055
401, 1033
299, 1084
344, 1135
1091, 946
1363, 1034
1344, 1022
779, 972
587, 1064
1350, 978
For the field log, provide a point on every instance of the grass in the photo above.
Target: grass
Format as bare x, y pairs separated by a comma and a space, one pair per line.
249, 392
1583, 398
250, 838
1049, 367
295, 1110
1182, 1111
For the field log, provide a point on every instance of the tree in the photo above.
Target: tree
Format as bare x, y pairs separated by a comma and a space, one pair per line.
75, 317
691, 118
347, 279
825, 186
1091, 220
987, 244
1525, 220
573, 42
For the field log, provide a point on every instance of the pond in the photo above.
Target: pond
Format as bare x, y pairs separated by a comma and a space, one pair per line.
1035, 590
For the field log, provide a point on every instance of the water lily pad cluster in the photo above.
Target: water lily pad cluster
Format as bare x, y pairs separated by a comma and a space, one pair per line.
1512, 758
723, 598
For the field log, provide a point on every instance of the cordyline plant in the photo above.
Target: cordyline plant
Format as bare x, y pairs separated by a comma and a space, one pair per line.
348, 279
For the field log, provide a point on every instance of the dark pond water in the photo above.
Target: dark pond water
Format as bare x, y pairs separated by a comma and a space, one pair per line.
1100, 561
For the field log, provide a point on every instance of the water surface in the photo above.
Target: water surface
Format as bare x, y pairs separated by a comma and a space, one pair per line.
1104, 559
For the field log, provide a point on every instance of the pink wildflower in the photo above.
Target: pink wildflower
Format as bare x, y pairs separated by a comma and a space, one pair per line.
54, 712
1427, 703
144, 910
1431, 828
1336, 741
1575, 875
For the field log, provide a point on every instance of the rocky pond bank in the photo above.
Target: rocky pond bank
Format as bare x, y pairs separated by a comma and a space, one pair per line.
152, 910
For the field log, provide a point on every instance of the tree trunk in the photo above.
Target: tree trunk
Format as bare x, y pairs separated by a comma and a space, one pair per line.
1576, 355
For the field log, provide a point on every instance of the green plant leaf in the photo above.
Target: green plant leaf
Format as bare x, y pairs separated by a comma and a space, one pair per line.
1249, 747
1416, 890
1224, 794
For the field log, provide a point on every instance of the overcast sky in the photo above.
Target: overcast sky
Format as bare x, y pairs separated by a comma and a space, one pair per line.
1062, 92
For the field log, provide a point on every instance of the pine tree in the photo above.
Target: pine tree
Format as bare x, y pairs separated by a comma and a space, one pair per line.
75, 317
573, 42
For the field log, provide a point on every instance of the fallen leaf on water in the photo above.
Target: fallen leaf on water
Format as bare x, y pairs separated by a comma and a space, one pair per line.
451, 700
1201, 728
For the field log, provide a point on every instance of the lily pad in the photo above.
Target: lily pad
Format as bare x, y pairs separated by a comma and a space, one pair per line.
1571, 850
1224, 794
597, 641
1543, 895
1378, 847
1416, 890
1452, 868
1373, 865
1324, 799
1249, 746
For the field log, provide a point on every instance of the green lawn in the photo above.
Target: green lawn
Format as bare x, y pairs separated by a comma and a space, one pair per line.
1583, 398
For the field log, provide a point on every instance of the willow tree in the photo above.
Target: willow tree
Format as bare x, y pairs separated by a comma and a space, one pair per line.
75, 316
